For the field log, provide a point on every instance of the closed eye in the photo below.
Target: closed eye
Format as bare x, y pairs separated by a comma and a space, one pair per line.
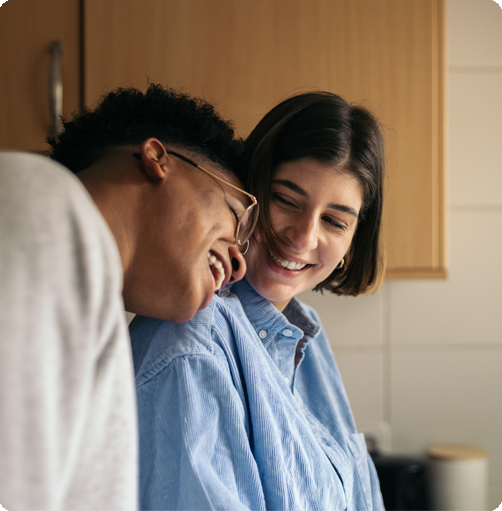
281, 200
237, 211
333, 223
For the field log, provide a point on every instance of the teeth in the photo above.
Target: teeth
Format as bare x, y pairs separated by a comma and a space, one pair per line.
289, 265
213, 261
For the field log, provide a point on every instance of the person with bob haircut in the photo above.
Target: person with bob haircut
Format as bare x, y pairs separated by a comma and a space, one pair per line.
243, 407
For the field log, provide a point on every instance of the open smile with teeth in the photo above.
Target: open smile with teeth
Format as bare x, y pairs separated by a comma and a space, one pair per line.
288, 265
217, 270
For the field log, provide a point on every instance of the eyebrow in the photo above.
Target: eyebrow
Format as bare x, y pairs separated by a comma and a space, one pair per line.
300, 191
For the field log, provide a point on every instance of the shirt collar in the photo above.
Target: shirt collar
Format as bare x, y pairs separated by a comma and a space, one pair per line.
264, 316
297, 316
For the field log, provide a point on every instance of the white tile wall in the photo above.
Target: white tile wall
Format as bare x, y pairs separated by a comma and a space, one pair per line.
465, 308
474, 32
475, 108
349, 321
447, 395
426, 356
363, 380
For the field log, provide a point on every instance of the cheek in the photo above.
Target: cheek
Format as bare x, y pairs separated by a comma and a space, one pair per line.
278, 218
254, 247
255, 258
332, 254
255, 243
278, 223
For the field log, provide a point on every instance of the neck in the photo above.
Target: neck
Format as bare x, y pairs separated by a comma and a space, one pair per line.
280, 306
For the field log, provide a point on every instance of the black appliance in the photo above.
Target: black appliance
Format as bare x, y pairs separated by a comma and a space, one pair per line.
403, 481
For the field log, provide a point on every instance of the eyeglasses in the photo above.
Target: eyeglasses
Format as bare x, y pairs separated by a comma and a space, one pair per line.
246, 221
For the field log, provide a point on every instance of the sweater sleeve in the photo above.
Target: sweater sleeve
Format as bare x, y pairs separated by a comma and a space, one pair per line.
194, 446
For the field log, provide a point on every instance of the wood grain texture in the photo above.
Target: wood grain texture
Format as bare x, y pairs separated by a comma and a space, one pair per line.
247, 55
27, 29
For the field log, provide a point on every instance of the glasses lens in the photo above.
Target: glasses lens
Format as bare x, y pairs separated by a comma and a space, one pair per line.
247, 225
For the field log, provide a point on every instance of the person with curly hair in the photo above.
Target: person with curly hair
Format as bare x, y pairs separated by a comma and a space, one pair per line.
154, 219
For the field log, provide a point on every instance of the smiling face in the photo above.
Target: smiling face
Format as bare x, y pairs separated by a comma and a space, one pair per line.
314, 210
186, 250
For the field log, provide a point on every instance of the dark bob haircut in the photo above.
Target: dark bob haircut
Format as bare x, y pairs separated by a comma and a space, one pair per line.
129, 117
324, 127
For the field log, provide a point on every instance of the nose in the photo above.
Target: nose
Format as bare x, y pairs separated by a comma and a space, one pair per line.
303, 234
238, 263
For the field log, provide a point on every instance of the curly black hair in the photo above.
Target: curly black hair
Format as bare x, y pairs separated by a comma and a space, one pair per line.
128, 116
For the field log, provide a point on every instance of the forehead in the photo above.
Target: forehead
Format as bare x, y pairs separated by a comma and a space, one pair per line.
313, 179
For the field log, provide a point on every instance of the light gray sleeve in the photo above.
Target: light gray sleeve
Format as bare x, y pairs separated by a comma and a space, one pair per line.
68, 433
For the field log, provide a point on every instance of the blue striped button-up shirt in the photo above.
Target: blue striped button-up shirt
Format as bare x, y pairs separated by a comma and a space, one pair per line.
243, 407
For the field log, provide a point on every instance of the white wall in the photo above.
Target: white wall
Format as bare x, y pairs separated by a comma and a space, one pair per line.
425, 357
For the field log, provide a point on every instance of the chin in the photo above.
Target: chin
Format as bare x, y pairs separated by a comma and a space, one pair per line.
179, 312
181, 315
273, 292
192, 299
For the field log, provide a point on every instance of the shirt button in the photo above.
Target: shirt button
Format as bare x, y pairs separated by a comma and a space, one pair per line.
286, 379
262, 334
287, 332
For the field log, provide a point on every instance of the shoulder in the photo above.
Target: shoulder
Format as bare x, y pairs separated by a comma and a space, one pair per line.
157, 343
27, 176
56, 251
42, 202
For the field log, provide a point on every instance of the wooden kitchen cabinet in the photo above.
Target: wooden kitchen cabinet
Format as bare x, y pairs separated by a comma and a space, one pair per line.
27, 29
247, 55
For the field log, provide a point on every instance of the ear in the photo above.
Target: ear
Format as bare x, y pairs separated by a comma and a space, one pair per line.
154, 158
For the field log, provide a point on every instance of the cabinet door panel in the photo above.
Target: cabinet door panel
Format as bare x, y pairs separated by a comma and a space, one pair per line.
246, 55
27, 29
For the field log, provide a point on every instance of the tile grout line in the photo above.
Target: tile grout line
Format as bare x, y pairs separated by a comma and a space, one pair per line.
495, 346
475, 68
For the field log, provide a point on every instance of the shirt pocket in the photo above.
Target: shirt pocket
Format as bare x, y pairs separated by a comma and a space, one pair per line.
357, 446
